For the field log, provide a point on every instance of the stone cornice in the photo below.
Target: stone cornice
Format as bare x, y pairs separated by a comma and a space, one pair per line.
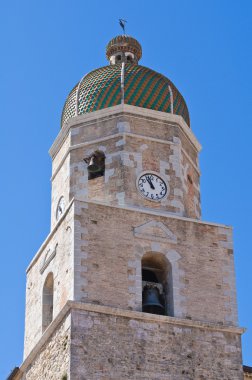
72, 305
115, 111
154, 317
165, 214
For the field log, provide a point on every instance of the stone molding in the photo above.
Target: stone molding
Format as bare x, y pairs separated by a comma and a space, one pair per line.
157, 213
48, 258
119, 109
71, 305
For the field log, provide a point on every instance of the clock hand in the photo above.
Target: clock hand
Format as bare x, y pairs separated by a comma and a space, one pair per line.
150, 183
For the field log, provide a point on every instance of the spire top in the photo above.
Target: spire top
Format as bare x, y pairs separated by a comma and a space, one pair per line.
122, 24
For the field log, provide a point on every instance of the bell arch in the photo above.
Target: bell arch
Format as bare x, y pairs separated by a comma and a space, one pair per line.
147, 245
157, 284
95, 164
47, 301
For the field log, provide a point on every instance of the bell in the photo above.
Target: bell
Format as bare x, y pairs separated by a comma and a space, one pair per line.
93, 166
151, 301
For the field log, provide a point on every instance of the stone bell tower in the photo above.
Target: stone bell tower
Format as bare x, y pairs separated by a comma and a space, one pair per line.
130, 283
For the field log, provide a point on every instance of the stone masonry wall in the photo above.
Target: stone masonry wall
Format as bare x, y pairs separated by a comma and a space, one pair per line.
60, 176
110, 243
129, 153
60, 187
53, 360
137, 143
61, 153
112, 347
56, 256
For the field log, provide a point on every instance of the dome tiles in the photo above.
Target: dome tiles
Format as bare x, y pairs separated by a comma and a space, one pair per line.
142, 87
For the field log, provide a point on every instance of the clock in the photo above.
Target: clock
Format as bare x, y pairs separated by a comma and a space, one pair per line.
151, 186
60, 208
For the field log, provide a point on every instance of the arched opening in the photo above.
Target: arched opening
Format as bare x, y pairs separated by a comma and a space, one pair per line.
47, 302
118, 58
157, 294
95, 164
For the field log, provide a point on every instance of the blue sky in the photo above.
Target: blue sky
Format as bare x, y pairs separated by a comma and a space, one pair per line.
204, 47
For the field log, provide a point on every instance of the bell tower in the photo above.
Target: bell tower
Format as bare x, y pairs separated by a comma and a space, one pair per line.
130, 283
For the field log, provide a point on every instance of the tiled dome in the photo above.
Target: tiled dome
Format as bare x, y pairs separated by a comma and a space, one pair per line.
127, 83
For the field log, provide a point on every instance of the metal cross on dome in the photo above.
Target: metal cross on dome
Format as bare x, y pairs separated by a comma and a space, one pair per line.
122, 24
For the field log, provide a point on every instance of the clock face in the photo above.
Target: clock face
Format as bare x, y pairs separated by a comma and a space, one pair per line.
151, 186
60, 208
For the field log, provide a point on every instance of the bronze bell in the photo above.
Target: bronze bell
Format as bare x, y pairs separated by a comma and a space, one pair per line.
93, 166
96, 163
151, 301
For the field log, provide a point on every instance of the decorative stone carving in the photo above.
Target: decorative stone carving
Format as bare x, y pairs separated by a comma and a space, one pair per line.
155, 231
48, 258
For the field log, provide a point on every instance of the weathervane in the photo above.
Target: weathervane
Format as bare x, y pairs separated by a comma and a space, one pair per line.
122, 24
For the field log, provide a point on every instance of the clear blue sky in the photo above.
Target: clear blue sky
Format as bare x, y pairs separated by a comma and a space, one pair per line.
204, 47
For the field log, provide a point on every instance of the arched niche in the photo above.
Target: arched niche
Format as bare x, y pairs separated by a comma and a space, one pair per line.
47, 302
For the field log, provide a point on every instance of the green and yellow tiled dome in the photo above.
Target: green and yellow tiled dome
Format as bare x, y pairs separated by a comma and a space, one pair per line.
142, 87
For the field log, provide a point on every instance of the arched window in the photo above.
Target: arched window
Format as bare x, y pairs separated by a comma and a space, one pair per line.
47, 302
157, 294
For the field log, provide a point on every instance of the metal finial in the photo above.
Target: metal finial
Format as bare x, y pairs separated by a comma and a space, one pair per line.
122, 24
